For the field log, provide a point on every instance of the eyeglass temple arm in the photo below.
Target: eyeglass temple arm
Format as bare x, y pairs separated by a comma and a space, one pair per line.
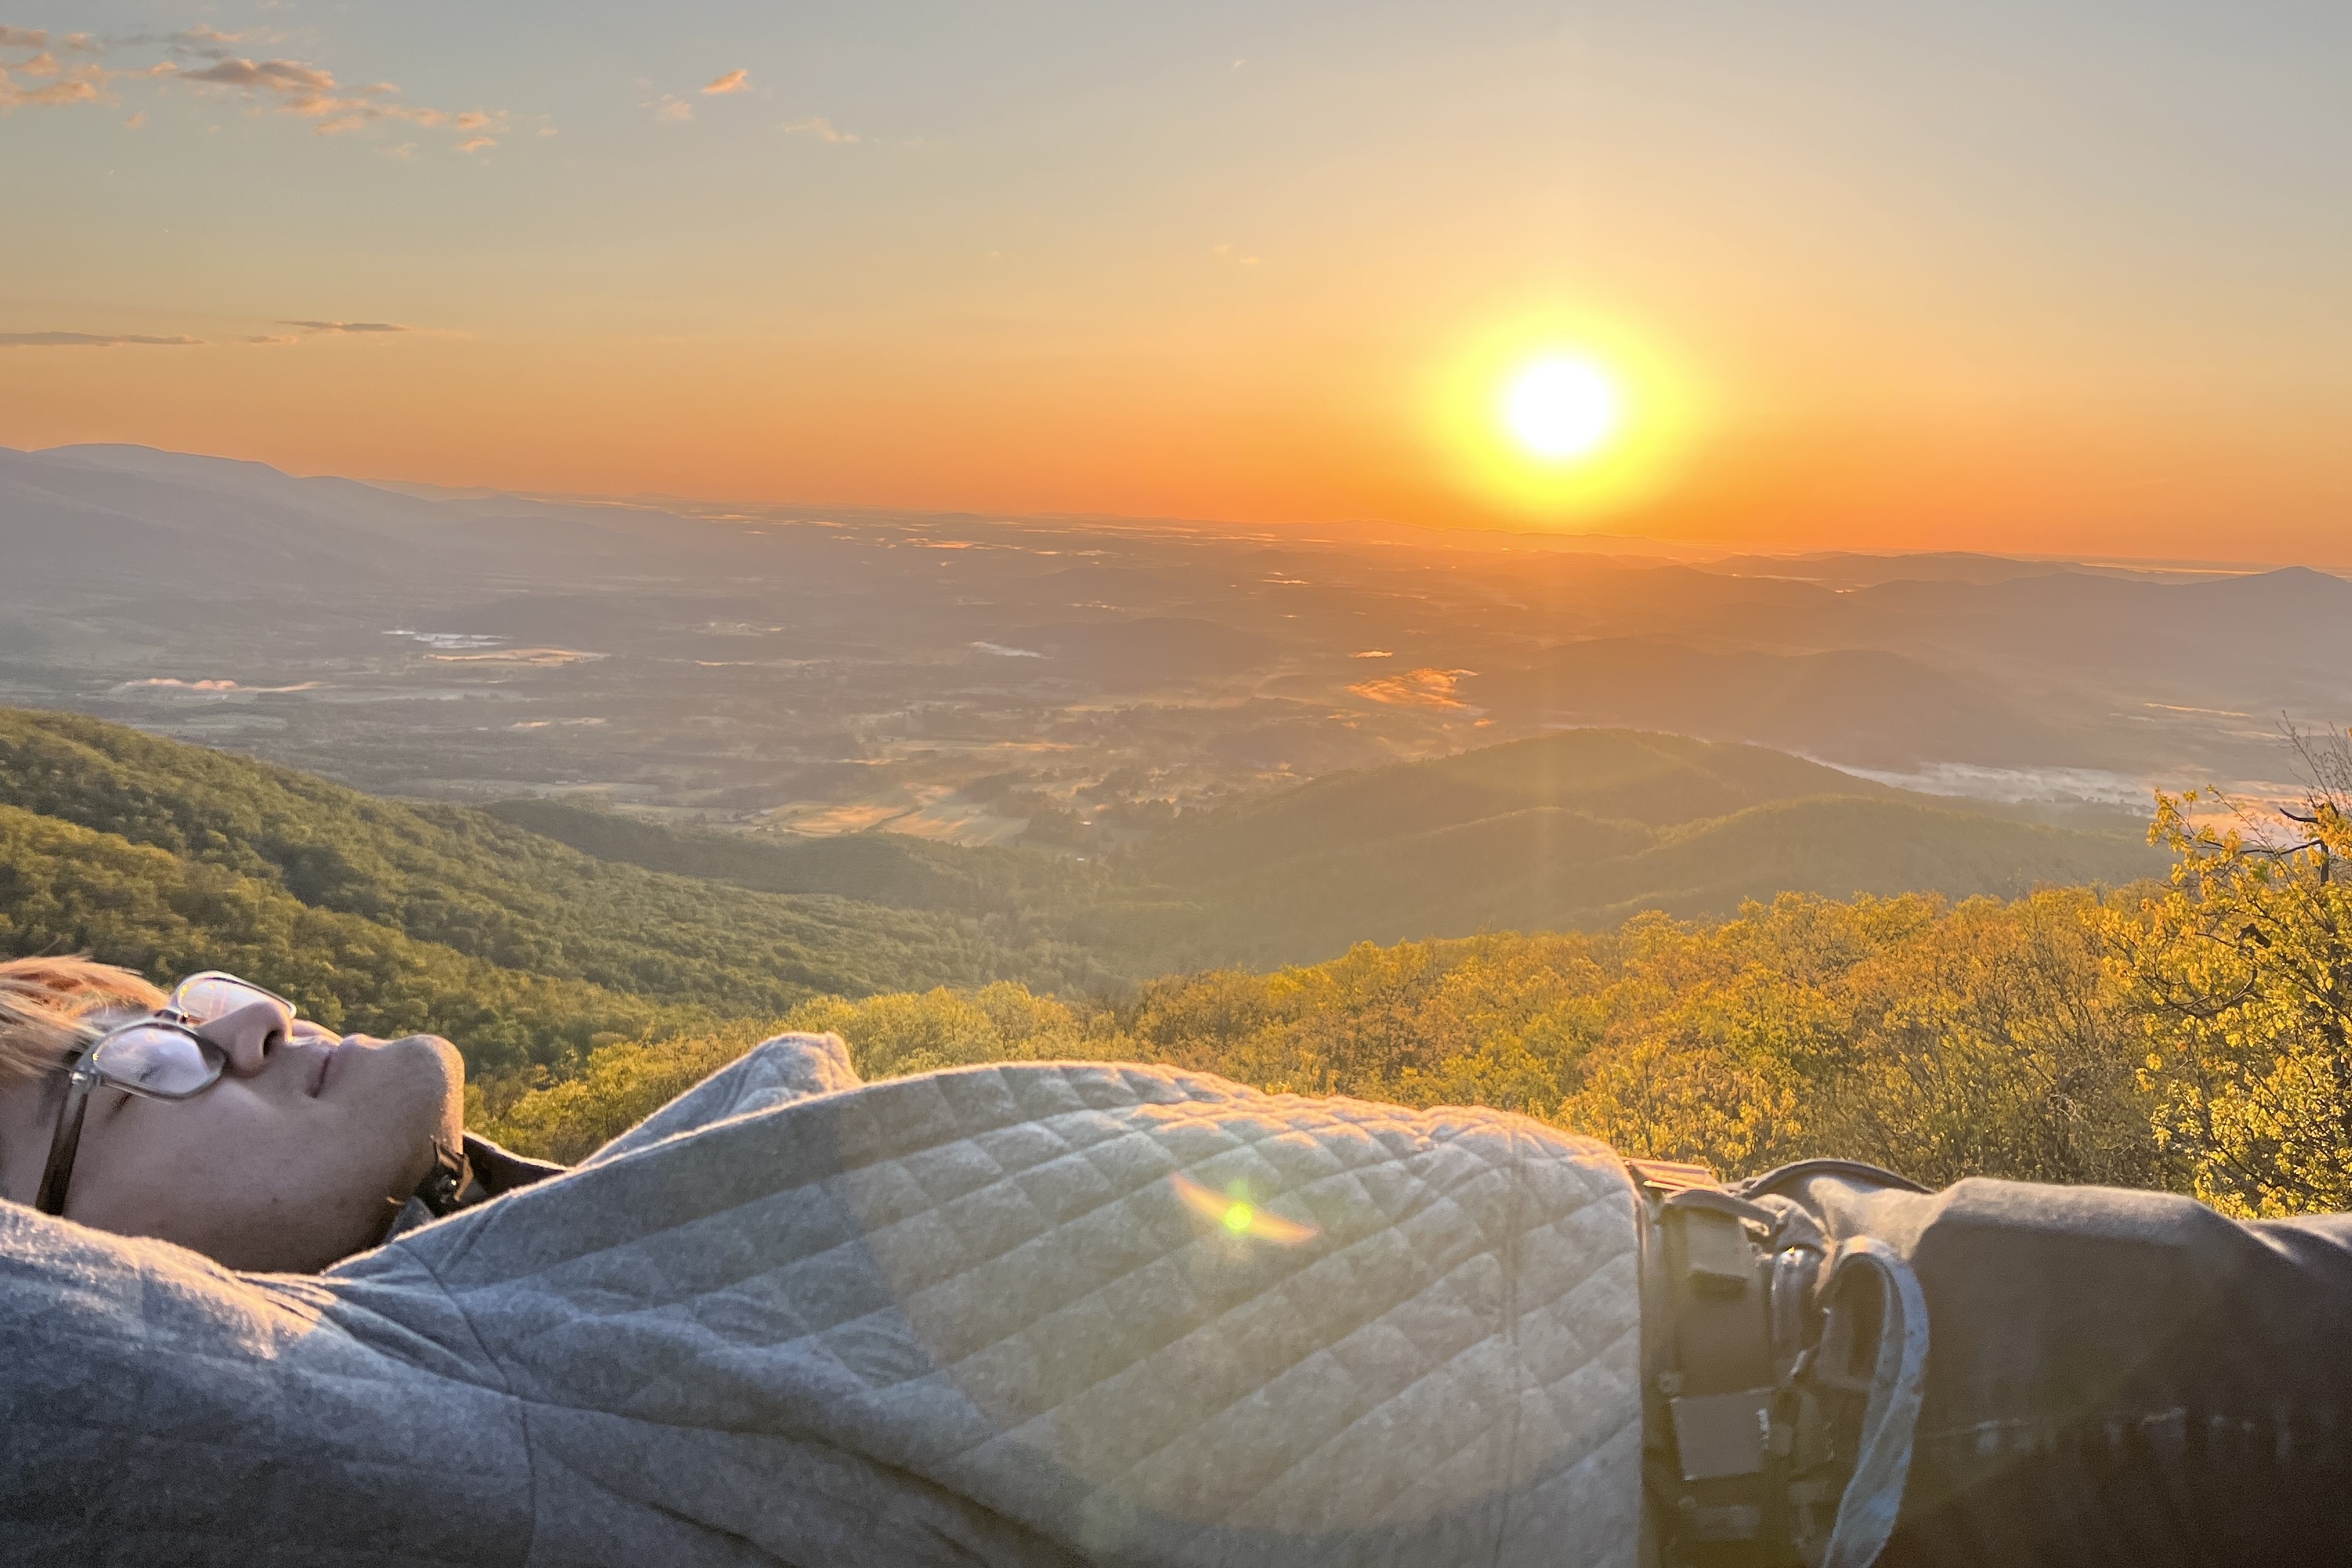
57, 1175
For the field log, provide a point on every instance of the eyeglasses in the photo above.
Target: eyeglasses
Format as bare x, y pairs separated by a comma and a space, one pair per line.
160, 1056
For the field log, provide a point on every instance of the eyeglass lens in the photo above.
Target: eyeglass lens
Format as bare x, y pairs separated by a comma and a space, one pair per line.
162, 1060
201, 998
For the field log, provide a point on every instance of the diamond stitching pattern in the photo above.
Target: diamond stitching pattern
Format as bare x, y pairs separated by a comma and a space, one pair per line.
1026, 1315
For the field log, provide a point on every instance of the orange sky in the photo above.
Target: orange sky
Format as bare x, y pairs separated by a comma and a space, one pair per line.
2031, 281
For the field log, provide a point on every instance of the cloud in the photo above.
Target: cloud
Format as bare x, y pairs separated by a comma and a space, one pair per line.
57, 95
63, 85
265, 337
290, 76
205, 39
818, 126
90, 340
670, 107
347, 327
204, 56
738, 80
205, 60
309, 91
1232, 254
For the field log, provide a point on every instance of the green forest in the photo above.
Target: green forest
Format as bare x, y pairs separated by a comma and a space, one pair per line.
2189, 1031
377, 914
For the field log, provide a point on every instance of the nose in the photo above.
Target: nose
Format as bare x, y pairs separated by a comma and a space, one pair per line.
249, 1035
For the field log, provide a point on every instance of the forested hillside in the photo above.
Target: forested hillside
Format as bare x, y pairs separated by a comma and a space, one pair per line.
1575, 830
888, 868
1941, 1040
2191, 1036
479, 904
65, 889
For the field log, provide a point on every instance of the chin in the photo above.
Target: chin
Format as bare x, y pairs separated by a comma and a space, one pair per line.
416, 1085
437, 1074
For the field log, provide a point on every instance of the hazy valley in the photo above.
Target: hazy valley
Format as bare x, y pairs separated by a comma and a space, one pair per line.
1072, 684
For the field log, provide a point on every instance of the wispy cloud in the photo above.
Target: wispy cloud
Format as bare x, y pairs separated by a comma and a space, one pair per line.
671, 108
291, 78
273, 338
207, 39
738, 80
818, 126
90, 340
207, 59
310, 92
352, 328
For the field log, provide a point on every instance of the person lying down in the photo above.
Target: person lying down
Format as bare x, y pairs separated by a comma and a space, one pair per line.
267, 1303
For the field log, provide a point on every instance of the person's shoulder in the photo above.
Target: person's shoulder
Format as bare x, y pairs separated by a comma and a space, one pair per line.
773, 1073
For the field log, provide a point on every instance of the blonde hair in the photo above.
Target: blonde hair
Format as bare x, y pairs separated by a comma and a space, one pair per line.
50, 1005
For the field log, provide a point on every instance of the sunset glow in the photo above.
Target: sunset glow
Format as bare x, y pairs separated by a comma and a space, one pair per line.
1484, 269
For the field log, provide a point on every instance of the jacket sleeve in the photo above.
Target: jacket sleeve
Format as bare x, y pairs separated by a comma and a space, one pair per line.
774, 1073
155, 1407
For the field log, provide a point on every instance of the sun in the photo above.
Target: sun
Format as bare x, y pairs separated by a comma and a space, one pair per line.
1561, 408
1561, 420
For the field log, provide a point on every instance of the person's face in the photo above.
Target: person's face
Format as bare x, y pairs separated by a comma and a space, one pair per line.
299, 1156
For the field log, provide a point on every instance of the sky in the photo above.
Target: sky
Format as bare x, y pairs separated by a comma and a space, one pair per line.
2041, 278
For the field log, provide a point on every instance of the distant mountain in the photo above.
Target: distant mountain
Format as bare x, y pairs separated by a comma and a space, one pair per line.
2245, 640
1851, 568
1861, 706
888, 868
1574, 830
1637, 782
1583, 828
107, 523
114, 521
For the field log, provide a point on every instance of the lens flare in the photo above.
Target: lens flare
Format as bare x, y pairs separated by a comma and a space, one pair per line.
1237, 1215
1562, 409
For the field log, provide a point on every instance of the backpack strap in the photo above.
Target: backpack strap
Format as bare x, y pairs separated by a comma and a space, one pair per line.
1749, 1433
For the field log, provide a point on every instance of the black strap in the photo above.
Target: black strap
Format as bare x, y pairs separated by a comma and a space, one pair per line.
444, 1186
1744, 1462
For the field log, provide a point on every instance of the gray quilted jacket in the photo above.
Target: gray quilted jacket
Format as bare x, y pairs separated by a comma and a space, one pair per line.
1010, 1315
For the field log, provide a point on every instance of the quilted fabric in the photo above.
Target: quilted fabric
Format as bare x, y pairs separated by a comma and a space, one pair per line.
963, 1317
